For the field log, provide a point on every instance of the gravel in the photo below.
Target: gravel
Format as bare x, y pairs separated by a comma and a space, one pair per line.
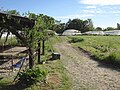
86, 73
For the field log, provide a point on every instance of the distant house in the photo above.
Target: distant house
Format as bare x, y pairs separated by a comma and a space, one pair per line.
94, 33
71, 32
112, 32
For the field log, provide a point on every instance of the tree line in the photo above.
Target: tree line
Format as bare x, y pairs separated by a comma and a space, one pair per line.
57, 26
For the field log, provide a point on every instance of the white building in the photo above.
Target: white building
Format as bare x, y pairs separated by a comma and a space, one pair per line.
95, 33
71, 32
112, 32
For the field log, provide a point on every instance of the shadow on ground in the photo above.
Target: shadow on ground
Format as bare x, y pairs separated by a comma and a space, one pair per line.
15, 86
104, 63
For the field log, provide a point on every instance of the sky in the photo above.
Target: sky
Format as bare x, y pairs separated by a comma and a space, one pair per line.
104, 13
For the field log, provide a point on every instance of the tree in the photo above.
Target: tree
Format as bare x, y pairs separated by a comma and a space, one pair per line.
81, 25
59, 27
90, 25
98, 29
13, 12
38, 33
109, 28
75, 24
118, 26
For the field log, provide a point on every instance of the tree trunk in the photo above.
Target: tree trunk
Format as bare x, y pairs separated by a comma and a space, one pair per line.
31, 61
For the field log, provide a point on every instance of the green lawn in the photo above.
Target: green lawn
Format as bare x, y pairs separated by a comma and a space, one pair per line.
105, 48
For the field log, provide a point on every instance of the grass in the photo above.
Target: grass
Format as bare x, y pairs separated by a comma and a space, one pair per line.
11, 41
105, 48
56, 67
57, 75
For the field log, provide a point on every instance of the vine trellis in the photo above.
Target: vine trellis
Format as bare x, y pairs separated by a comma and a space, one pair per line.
15, 24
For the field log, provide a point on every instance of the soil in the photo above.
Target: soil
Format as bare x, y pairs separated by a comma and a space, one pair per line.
87, 73
54, 79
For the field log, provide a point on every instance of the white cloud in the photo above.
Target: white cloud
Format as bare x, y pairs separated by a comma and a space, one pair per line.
74, 16
94, 11
100, 2
88, 11
115, 12
90, 7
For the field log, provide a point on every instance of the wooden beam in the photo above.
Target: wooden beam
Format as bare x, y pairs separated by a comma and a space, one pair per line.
39, 47
17, 22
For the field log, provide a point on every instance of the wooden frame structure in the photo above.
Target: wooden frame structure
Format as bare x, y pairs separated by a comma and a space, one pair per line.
14, 24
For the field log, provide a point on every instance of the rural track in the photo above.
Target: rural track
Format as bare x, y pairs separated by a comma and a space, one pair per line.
86, 73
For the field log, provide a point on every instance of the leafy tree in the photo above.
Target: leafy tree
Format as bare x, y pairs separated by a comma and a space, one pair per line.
90, 24
59, 28
98, 29
38, 32
81, 25
109, 28
118, 26
14, 12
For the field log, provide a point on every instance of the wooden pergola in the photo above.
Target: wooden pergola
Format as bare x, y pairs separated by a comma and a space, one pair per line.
14, 24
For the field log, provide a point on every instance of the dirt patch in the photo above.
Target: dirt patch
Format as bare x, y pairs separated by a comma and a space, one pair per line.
54, 79
86, 73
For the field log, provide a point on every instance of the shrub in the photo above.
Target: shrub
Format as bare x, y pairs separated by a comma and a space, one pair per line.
31, 76
114, 57
75, 40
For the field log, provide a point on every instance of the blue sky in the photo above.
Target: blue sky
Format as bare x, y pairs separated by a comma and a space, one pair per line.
103, 13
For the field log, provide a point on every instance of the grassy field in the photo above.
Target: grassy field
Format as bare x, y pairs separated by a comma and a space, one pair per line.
105, 48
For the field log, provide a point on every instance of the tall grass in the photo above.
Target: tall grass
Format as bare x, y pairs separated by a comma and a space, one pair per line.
10, 41
105, 48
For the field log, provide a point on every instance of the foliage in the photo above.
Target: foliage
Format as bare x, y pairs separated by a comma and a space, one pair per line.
12, 41
59, 28
81, 25
50, 33
114, 57
75, 40
98, 29
13, 12
31, 76
101, 47
109, 28
118, 26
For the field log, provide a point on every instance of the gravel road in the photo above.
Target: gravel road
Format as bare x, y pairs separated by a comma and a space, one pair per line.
86, 73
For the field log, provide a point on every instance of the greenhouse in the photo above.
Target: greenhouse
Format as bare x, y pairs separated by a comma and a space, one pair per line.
71, 32
112, 32
94, 33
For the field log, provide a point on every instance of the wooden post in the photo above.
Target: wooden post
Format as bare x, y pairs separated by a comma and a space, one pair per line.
12, 62
43, 47
39, 51
31, 62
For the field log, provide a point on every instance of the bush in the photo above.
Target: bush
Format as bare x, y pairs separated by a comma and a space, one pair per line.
114, 57
75, 40
31, 76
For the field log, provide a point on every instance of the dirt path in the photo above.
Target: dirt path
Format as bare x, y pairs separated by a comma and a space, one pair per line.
85, 72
